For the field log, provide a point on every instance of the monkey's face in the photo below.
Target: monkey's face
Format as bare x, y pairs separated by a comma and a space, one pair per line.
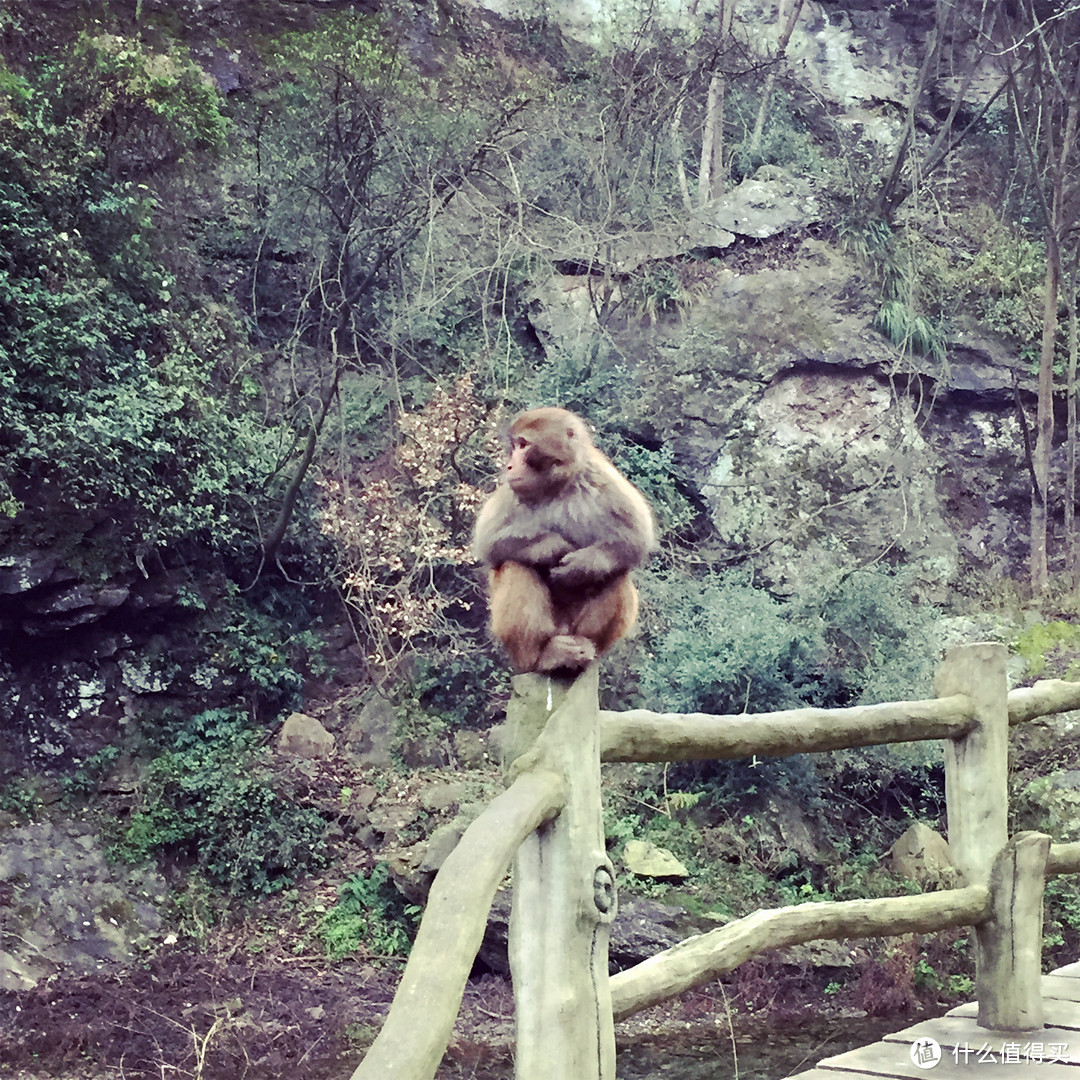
534, 471
547, 449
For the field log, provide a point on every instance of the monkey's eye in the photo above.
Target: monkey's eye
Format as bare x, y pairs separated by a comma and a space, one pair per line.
537, 460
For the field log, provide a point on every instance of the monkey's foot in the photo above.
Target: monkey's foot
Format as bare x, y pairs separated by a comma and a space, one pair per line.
566, 651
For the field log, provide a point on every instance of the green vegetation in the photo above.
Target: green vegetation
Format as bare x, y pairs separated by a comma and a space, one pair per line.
21, 799
1052, 650
370, 916
119, 404
210, 798
727, 646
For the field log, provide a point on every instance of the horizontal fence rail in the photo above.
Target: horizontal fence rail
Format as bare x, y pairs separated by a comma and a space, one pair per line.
640, 735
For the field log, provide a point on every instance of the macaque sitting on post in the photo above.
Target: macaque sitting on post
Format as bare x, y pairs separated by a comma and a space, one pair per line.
559, 537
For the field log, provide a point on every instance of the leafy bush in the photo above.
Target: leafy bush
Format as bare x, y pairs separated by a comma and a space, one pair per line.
370, 914
723, 646
883, 645
402, 537
720, 645
209, 798
1006, 280
654, 472
459, 690
21, 798
1051, 649
1061, 929
263, 643
115, 405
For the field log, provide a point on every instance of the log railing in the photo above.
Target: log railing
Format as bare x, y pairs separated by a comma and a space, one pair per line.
548, 823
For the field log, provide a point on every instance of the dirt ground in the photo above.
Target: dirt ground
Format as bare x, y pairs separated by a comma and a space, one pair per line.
204, 1017
207, 1016
185, 1015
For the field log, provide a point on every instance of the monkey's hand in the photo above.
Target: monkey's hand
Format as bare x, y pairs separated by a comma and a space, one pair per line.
543, 550
586, 566
546, 550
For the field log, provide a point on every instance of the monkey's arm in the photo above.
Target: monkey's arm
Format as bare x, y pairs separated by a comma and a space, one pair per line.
543, 550
507, 532
624, 538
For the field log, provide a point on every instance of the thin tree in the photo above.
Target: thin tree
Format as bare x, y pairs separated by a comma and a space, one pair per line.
899, 182
1044, 85
1072, 534
787, 21
711, 168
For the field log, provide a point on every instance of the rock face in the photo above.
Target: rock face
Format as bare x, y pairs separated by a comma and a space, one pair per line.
65, 906
810, 442
922, 855
647, 860
814, 443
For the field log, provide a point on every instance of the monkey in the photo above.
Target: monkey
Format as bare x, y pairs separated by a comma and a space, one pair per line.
559, 538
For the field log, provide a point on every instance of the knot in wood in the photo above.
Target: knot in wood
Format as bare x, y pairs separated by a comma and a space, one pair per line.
603, 889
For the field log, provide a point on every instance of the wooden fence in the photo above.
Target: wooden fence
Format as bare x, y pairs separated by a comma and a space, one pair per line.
548, 822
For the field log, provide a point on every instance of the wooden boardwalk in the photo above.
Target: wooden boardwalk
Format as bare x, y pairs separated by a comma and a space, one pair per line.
966, 1050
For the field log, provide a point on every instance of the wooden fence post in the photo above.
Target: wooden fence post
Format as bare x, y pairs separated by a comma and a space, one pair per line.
1010, 942
976, 763
564, 891
976, 790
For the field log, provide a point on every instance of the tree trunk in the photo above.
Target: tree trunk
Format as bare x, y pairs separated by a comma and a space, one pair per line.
1044, 419
710, 136
891, 194
677, 154
1072, 536
770, 81
288, 504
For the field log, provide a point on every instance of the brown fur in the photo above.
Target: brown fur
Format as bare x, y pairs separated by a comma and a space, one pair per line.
559, 537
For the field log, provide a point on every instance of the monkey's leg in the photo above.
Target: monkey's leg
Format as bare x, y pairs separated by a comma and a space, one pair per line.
566, 652
521, 614
523, 619
608, 616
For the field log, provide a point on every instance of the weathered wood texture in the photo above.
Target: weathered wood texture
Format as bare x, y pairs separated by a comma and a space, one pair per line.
564, 884
1064, 859
1045, 697
640, 735
707, 956
976, 795
564, 892
1010, 955
417, 1029
1052, 1052
976, 761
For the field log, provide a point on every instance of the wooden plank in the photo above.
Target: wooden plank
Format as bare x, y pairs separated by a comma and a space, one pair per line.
895, 1059
1062, 1014
827, 1074
1063, 987
1051, 1044
1051, 1053
1057, 1012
